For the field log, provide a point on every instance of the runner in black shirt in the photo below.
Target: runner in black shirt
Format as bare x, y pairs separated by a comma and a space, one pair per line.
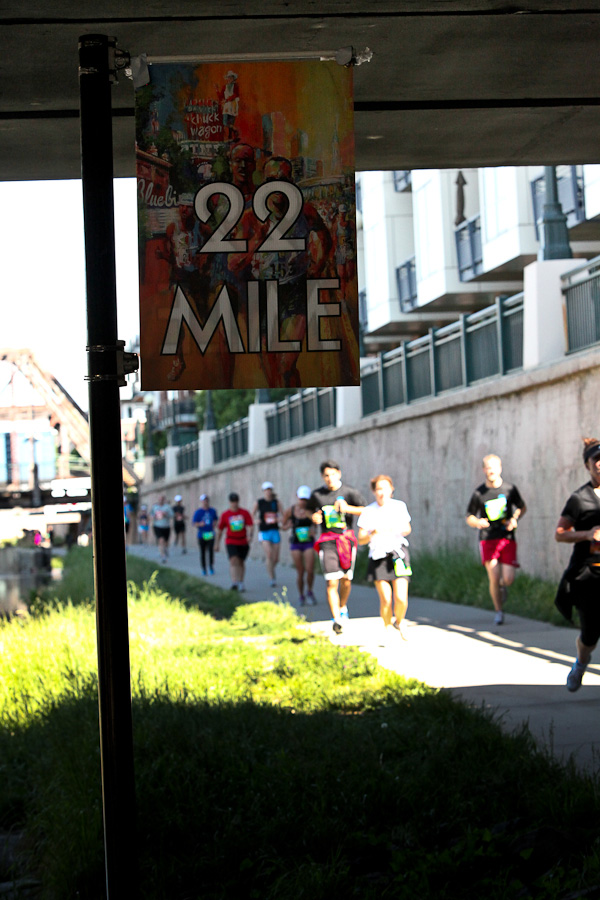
495, 508
335, 505
579, 524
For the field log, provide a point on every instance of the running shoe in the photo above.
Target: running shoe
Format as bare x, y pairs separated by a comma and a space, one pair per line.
499, 618
302, 600
211, 571
241, 588
337, 627
273, 583
311, 598
233, 587
344, 614
204, 571
574, 677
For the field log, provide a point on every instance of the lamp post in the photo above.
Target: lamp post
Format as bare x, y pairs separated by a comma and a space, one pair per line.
554, 234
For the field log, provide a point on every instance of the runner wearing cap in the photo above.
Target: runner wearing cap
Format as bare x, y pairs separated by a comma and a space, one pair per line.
266, 517
204, 519
494, 509
179, 523
302, 540
579, 524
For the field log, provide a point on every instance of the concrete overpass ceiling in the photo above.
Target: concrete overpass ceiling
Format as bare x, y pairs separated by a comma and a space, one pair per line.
451, 82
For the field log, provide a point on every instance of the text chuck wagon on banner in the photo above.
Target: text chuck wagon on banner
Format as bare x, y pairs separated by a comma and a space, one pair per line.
247, 226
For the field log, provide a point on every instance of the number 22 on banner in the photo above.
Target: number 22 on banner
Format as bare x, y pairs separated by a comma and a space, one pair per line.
275, 241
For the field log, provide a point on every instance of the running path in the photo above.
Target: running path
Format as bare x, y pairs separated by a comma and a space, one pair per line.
517, 669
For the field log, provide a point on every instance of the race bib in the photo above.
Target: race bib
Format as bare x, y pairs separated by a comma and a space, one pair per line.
270, 518
495, 510
208, 535
332, 518
302, 534
237, 524
400, 568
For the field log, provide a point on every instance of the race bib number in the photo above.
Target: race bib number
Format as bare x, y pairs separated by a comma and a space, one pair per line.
302, 534
208, 535
237, 524
270, 518
400, 568
332, 518
495, 510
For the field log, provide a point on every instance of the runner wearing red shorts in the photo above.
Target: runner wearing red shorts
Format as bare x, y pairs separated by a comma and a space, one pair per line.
494, 509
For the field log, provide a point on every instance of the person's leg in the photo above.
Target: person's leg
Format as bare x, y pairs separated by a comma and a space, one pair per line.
400, 592
333, 597
211, 555
274, 559
345, 586
384, 592
309, 565
589, 617
268, 549
297, 558
494, 571
236, 571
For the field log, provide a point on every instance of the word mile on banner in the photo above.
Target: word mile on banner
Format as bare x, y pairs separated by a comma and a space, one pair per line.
247, 226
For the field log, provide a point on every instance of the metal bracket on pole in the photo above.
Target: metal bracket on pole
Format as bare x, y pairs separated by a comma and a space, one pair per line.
111, 363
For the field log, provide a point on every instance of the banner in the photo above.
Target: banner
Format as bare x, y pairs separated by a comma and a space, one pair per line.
247, 226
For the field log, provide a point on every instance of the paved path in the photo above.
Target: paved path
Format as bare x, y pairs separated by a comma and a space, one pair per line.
518, 669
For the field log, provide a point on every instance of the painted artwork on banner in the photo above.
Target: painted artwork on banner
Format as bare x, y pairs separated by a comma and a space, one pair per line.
247, 226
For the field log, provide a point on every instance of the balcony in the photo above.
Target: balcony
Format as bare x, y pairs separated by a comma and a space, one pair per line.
468, 249
402, 180
406, 278
570, 194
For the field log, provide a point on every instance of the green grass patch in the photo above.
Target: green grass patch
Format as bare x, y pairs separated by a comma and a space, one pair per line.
273, 764
456, 576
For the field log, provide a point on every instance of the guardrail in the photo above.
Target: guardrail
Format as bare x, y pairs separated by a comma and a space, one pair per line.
231, 441
188, 458
309, 410
159, 467
581, 289
482, 345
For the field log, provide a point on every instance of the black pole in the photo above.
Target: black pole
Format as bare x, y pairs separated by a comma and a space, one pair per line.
105, 360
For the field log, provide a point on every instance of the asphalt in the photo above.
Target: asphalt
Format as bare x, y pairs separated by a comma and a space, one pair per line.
518, 669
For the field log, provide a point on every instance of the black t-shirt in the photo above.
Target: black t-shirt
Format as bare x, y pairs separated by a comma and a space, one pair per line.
497, 505
583, 510
322, 498
267, 511
179, 513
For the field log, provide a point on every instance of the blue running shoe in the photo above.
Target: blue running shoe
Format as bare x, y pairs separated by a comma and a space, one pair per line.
574, 677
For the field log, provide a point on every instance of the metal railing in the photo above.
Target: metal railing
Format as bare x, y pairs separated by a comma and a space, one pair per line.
482, 345
309, 410
158, 467
581, 289
468, 249
231, 441
187, 458
406, 278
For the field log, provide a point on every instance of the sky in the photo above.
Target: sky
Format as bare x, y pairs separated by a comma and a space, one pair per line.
42, 274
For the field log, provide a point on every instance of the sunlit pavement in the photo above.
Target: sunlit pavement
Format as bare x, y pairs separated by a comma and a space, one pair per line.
517, 669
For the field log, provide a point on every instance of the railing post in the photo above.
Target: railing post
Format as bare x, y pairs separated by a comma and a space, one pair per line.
464, 361
381, 383
432, 366
405, 374
500, 333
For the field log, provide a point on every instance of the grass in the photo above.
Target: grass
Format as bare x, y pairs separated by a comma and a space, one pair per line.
458, 577
273, 764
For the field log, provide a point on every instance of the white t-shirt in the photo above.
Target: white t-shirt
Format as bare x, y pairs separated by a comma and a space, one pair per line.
389, 521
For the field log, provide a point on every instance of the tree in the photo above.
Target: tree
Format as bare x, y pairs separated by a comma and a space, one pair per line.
231, 405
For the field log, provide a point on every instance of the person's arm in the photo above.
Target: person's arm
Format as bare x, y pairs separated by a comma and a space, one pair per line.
286, 521
220, 530
364, 536
512, 522
565, 532
475, 522
250, 530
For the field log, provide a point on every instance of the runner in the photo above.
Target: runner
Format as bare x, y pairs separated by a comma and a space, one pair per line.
204, 519
494, 509
302, 540
384, 526
239, 528
579, 524
266, 517
143, 524
335, 506
179, 523
162, 515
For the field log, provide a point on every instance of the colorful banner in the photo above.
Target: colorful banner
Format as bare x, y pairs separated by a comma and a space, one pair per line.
247, 226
